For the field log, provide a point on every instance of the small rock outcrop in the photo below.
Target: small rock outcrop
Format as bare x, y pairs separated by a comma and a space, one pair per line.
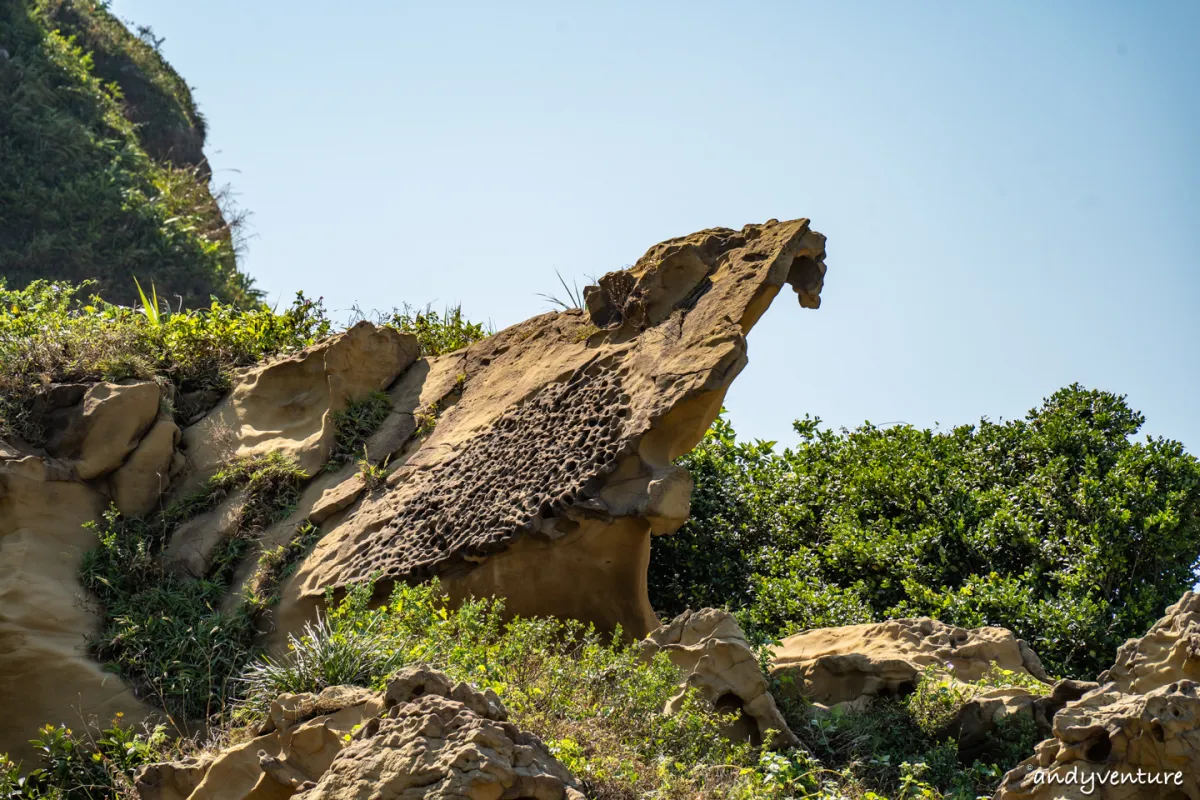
423, 738
710, 648
837, 665
1137, 735
287, 405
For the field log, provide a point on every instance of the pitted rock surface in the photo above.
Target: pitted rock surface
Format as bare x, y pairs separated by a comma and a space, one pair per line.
1131, 736
551, 462
506, 481
423, 738
1110, 736
1169, 652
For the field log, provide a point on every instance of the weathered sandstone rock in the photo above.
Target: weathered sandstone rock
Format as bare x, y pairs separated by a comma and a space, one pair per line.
711, 650
287, 405
835, 665
1141, 740
96, 433
424, 738
1139, 728
1168, 653
192, 546
551, 461
303, 732
46, 675
145, 476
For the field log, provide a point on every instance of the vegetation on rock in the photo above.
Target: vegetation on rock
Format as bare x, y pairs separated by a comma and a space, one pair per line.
102, 174
1059, 527
165, 633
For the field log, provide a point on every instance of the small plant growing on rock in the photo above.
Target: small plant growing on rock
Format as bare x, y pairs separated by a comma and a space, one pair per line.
373, 475
354, 424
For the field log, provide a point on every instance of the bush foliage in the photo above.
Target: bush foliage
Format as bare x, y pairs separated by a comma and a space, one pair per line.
1058, 526
101, 168
52, 332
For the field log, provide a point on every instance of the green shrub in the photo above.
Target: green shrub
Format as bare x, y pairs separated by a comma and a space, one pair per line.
165, 633
98, 764
436, 333
84, 102
49, 333
1058, 526
902, 747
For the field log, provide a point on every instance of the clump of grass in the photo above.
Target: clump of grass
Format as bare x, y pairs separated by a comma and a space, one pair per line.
426, 420
276, 564
436, 333
574, 297
163, 632
373, 475
354, 424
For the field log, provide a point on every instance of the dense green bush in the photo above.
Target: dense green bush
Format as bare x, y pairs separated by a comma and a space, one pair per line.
50, 332
1057, 526
80, 197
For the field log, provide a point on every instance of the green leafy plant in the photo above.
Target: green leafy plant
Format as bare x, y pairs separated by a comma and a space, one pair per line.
1060, 527
97, 764
50, 334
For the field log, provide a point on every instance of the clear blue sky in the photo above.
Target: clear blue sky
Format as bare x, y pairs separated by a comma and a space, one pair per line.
1010, 190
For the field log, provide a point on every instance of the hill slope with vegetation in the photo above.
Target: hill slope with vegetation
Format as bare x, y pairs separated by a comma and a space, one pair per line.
102, 170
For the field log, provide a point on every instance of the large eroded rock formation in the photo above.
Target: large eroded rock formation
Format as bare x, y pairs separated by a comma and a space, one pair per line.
548, 460
534, 465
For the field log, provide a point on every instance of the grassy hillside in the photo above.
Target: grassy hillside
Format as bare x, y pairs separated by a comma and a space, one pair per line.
102, 171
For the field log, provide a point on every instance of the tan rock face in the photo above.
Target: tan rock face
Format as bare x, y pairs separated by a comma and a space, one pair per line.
103, 427
550, 465
1168, 653
46, 675
145, 476
834, 665
711, 650
1136, 736
1148, 743
287, 405
424, 738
